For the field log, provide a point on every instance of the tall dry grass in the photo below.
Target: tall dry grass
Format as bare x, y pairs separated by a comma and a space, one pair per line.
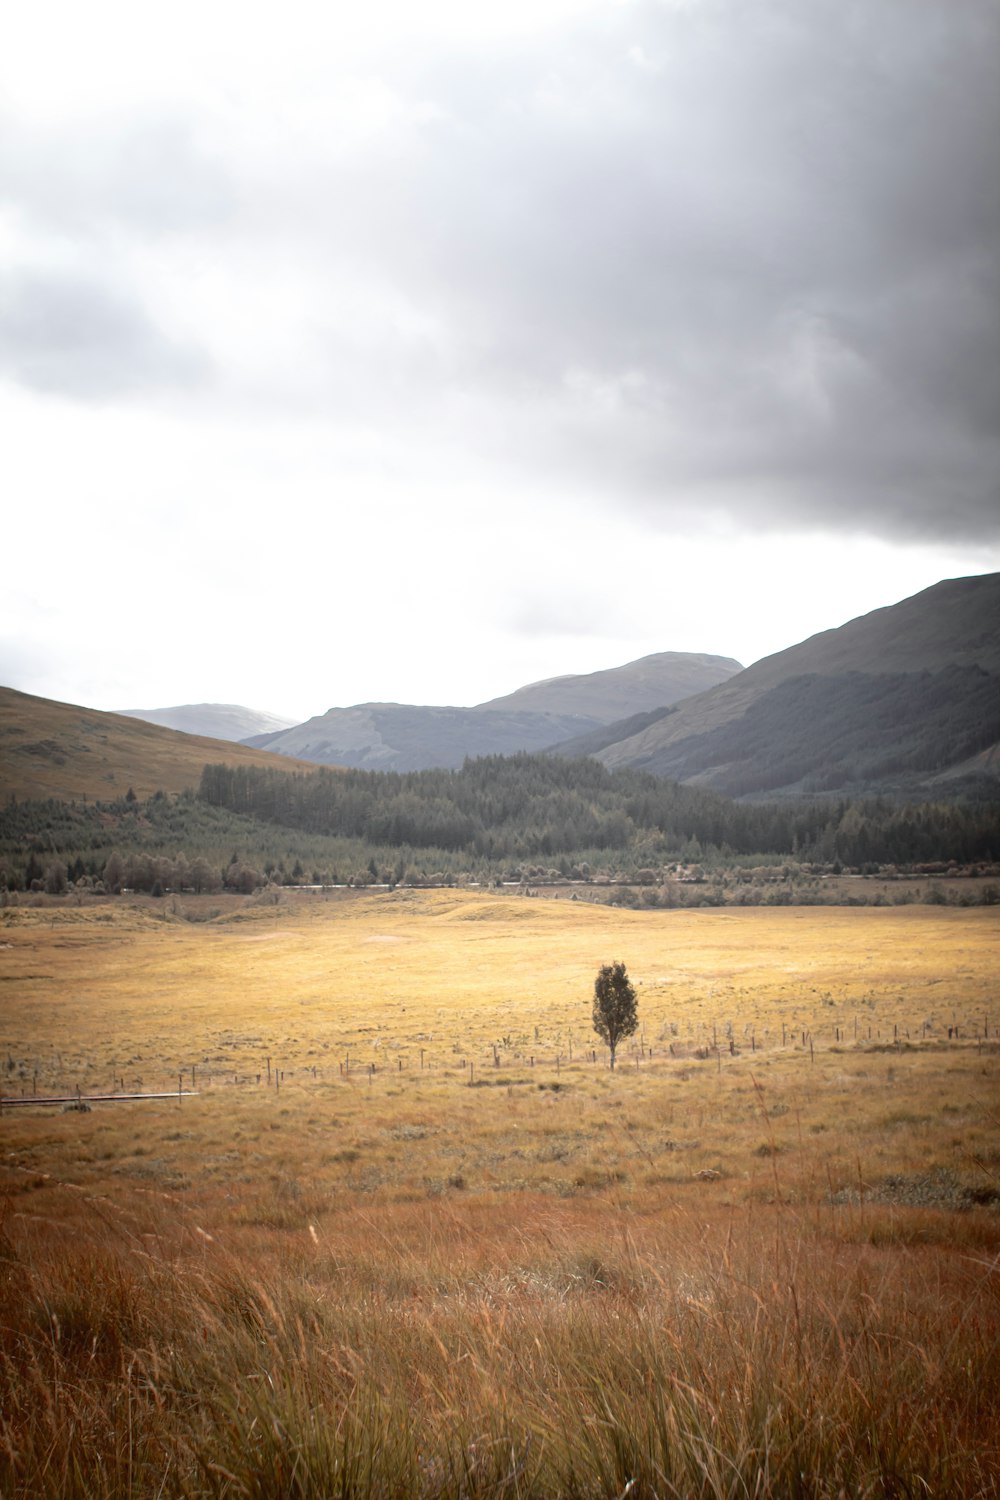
462, 1349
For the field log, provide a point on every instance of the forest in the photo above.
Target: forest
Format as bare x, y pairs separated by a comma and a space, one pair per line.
525, 817
535, 806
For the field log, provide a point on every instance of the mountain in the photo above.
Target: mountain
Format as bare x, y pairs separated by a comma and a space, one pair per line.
50, 749
405, 737
652, 682
219, 721
906, 698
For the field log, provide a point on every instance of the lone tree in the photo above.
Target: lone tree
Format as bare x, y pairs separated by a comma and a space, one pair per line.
616, 1011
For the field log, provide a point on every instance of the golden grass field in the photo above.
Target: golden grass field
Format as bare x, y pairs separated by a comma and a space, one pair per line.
761, 1257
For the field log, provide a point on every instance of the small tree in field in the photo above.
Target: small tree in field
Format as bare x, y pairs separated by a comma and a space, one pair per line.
616, 1012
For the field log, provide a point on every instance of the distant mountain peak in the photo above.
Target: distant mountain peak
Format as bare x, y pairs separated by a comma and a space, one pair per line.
651, 682
219, 721
408, 737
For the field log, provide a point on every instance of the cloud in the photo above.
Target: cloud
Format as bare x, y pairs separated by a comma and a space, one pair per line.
67, 334
759, 276
711, 264
147, 174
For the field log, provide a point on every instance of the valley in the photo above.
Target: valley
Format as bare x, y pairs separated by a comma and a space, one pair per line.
316, 1179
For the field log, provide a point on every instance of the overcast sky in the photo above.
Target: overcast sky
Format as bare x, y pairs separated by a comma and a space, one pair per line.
416, 352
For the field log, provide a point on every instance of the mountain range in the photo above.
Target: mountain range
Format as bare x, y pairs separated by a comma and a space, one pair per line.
407, 737
904, 700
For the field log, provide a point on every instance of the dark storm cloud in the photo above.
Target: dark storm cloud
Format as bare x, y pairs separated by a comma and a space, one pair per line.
69, 334
733, 254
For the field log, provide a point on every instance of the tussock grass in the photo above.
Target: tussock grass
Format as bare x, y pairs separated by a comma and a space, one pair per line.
579, 1352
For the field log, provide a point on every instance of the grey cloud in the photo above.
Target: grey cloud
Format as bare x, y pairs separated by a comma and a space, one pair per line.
735, 258
737, 251
69, 334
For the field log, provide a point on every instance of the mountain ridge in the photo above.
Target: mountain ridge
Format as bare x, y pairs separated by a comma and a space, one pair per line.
915, 651
411, 737
905, 699
649, 682
217, 721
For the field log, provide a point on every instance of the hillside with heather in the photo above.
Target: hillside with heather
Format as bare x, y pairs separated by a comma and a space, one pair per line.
60, 750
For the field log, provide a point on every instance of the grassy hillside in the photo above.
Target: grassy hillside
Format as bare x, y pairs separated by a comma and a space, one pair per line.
935, 636
50, 749
860, 732
408, 737
652, 682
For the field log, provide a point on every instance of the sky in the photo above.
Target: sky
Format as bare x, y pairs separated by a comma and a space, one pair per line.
414, 353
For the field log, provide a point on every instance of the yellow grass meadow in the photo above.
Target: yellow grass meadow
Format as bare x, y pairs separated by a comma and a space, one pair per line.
403, 1232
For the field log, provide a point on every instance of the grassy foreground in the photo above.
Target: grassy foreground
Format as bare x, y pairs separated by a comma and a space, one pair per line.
446, 1252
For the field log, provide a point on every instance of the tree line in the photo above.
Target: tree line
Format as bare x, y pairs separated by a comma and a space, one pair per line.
525, 807
523, 818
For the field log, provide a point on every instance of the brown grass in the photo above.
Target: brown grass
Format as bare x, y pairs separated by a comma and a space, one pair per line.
395, 1283
50, 749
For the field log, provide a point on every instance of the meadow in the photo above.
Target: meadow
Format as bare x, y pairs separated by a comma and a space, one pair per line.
399, 1230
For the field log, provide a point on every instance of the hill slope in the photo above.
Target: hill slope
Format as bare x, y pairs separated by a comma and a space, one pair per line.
219, 721
651, 682
893, 700
407, 737
50, 749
